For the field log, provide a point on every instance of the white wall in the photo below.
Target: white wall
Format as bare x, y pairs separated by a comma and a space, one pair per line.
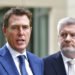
71, 8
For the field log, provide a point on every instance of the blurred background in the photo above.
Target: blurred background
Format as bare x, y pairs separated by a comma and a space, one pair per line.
46, 14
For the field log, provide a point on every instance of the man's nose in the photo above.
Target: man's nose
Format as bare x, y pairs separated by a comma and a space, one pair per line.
68, 38
21, 31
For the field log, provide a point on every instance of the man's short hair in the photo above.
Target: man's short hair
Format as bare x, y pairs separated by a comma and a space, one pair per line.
16, 11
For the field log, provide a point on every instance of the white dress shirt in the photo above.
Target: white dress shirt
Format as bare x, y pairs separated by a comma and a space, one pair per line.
14, 55
65, 60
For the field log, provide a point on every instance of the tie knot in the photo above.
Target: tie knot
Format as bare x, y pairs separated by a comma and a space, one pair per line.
71, 62
21, 58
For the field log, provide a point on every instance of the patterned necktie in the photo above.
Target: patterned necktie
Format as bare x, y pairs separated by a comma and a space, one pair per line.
71, 70
22, 64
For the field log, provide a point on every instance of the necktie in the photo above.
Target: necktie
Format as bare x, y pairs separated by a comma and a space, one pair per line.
22, 64
71, 70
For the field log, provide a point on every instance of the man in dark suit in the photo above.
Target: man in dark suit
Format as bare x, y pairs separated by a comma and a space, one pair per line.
17, 30
58, 63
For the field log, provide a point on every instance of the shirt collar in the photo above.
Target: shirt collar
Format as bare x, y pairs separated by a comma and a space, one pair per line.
65, 59
13, 52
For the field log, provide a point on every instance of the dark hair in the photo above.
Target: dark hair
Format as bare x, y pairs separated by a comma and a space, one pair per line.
16, 11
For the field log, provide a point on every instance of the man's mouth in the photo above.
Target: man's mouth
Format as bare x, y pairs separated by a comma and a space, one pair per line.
20, 41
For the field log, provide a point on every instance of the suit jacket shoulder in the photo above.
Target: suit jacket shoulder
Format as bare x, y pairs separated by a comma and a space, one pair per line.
35, 57
7, 65
53, 65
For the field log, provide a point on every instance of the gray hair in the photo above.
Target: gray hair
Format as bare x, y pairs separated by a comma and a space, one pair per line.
65, 21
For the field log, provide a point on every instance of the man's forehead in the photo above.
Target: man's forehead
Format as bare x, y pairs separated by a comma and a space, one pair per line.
19, 20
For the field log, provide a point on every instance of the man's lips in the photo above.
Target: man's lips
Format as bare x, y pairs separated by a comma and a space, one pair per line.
20, 41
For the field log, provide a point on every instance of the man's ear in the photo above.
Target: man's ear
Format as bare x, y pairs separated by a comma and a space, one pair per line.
58, 38
4, 30
31, 28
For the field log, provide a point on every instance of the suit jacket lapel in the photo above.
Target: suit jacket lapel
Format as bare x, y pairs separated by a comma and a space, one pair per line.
7, 61
59, 65
33, 64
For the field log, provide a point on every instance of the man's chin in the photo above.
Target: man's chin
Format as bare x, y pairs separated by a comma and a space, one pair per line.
21, 50
68, 50
70, 53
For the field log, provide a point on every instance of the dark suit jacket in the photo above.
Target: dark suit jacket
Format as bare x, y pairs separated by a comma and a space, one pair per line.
7, 65
53, 65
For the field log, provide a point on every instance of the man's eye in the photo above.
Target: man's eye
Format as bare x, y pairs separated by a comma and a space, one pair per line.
63, 35
25, 27
73, 35
14, 27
